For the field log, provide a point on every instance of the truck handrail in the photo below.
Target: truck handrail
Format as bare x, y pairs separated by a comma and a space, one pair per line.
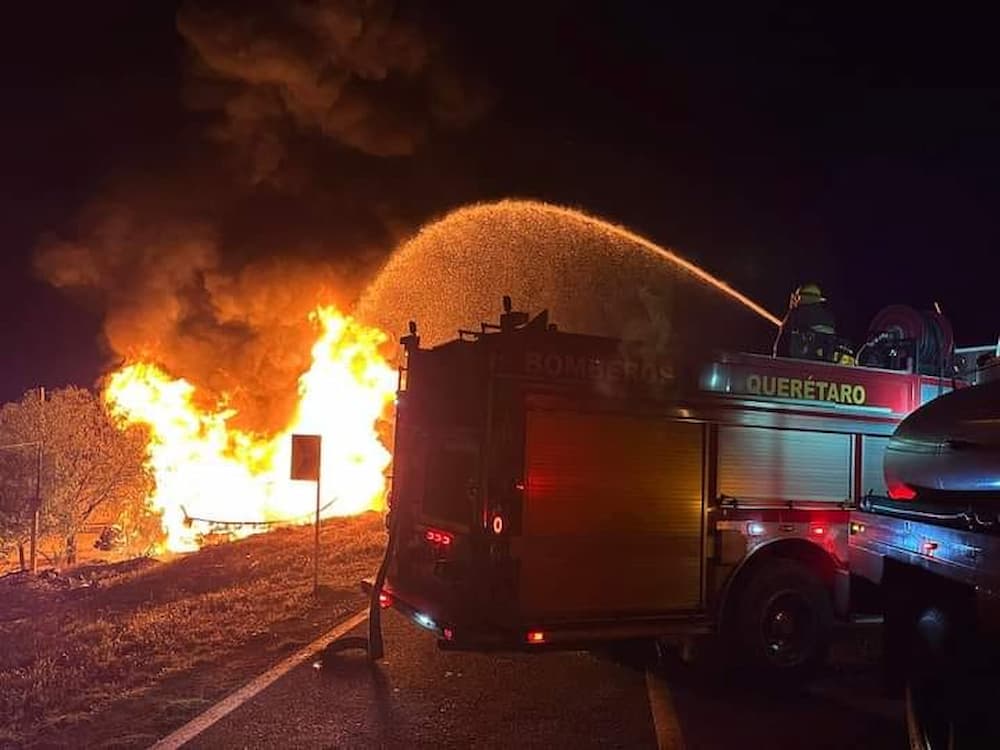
968, 517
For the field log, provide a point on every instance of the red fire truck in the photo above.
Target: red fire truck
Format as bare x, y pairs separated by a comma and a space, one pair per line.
553, 489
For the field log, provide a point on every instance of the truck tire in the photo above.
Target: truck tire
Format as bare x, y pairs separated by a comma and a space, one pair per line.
930, 720
782, 623
950, 678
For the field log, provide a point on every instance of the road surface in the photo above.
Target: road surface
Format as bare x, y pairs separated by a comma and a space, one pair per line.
420, 697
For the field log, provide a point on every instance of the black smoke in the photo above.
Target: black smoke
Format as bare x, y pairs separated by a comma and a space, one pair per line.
296, 171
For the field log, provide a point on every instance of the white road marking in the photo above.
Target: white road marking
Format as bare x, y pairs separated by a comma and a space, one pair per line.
668, 729
231, 702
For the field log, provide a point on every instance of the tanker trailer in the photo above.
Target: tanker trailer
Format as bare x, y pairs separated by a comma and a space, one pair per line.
948, 451
933, 550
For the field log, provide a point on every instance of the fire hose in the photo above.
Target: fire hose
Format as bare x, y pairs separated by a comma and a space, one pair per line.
373, 644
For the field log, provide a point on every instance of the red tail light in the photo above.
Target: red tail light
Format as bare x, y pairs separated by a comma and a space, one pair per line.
535, 636
438, 537
384, 600
902, 491
818, 530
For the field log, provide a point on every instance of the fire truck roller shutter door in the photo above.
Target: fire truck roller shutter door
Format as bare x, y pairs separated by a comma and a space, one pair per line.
612, 515
763, 463
872, 472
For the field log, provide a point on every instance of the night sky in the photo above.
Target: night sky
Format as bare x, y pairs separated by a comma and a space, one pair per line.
773, 145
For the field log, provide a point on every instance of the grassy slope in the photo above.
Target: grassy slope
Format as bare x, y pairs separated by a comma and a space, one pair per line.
149, 646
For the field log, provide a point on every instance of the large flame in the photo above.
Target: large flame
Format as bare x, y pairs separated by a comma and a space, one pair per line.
206, 469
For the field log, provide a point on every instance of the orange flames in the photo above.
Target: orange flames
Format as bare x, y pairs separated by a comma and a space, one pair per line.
206, 469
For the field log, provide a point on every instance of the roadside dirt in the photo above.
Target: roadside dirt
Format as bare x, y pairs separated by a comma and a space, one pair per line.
119, 655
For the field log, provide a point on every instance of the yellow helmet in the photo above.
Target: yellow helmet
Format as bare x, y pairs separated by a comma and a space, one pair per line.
808, 294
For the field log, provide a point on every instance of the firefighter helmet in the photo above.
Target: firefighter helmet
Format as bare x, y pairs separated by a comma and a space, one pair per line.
808, 294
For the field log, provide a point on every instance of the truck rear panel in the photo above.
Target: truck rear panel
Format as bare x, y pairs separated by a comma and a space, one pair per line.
937, 539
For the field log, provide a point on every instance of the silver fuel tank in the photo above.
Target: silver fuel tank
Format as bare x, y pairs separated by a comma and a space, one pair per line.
950, 445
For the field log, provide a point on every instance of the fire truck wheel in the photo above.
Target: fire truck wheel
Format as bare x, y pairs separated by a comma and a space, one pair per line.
783, 622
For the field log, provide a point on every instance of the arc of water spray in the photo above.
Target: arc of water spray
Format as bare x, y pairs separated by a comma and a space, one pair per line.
671, 256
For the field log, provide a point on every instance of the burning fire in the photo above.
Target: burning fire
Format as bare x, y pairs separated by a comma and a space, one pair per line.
206, 469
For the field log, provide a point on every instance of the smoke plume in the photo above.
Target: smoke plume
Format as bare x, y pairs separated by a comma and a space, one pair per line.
239, 334
367, 74
283, 197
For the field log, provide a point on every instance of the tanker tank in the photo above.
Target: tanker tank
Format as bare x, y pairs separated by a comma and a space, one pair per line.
948, 448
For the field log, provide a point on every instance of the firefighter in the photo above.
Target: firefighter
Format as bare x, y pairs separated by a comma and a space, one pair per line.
808, 330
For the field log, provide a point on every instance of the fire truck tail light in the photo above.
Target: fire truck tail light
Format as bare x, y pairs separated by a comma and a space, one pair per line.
498, 525
449, 634
535, 636
438, 537
384, 599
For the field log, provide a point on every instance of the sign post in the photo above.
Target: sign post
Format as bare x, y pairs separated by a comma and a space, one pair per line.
306, 455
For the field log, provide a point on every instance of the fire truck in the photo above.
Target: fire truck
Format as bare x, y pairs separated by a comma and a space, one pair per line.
552, 489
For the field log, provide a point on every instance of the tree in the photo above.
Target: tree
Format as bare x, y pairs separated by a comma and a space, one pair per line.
16, 497
90, 464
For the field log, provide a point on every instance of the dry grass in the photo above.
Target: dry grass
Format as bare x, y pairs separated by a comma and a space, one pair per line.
147, 647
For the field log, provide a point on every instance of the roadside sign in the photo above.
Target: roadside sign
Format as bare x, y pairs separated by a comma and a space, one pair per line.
306, 465
306, 457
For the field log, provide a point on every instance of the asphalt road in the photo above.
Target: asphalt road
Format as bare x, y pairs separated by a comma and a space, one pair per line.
421, 697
